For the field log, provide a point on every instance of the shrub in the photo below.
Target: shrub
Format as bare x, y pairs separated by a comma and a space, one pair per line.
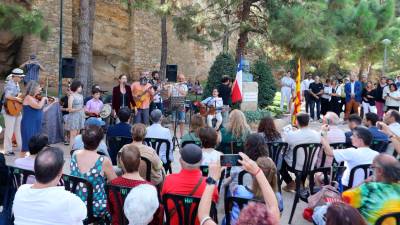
266, 82
255, 116
224, 64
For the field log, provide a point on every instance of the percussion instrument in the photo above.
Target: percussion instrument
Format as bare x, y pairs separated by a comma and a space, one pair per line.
105, 111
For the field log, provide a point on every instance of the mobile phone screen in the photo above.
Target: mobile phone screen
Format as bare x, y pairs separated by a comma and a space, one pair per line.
230, 160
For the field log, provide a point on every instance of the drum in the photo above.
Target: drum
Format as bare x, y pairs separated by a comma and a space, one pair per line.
105, 111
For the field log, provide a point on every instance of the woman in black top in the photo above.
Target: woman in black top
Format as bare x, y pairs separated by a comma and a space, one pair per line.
368, 98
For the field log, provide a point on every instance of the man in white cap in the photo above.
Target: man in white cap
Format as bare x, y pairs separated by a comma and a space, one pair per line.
12, 123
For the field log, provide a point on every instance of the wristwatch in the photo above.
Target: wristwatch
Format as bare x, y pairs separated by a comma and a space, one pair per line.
210, 181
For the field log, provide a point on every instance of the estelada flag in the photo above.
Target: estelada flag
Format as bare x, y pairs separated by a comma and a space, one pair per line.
297, 97
237, 93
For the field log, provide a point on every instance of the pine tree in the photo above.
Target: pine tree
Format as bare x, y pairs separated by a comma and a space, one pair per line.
224, 64
266, 82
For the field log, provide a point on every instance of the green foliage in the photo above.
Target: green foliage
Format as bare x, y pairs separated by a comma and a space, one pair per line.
224, 64
256, 116
20, 21
266, 82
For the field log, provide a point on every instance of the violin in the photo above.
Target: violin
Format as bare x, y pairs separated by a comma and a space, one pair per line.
39, 97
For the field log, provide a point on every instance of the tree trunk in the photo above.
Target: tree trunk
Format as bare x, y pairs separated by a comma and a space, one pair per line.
243, 34
164, 45
85, 55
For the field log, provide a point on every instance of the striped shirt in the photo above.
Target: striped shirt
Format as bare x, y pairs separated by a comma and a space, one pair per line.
32, 72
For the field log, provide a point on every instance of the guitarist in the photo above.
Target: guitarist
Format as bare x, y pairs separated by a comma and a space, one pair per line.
142, 92
12, 122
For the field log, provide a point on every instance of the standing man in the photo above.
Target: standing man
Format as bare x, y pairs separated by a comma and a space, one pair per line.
379, 101
397, 82
353, 91
32, 67
316, 90
157, 102
224, 90
179, 89
142, 92
305, 88
287, 87
12, 123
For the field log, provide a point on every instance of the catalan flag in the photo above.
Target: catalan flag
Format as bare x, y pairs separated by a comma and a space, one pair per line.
297, 97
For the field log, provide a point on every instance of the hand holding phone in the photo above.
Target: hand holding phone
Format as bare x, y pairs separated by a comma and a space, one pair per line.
230, 160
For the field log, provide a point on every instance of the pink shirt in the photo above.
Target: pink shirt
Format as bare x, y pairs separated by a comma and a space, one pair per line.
94, 105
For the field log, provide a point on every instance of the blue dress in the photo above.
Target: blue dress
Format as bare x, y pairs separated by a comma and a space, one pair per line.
31, 124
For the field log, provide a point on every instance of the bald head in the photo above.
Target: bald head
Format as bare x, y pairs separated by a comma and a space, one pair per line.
387, 168
331, 118
181, 77
48, 164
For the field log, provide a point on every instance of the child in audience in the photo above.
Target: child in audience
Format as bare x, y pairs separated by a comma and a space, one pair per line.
208, 137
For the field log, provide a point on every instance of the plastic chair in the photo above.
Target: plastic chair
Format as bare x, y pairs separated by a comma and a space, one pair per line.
379, 145
156, 144
119, 194
276, 151
241, 176
198, 143
241, 202
310, 152
114, 144
148, 168
186, 209
20, 176
382, 219
366, 168
71, 183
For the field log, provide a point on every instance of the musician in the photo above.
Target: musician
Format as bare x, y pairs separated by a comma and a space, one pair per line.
32, 67
215, 103
225, 92
12, 123
142, 92
93, 106
179, 89
122, 95
157, 102
32, 114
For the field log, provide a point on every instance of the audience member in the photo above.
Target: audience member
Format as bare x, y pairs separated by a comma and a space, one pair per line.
78, 142
254, 192
392, 137
157, 169
86, 163
353, 91
158, 131
123, 128
44, 202
237, 130
382, 195
361, 154
392, 98
267, 128
189, 181
343, 214
368, 98
208, 137
353, 122
129, 160
295, 137
392, 119
141, 204
35, 145
370, 121
196, 123
379, 101
253, 213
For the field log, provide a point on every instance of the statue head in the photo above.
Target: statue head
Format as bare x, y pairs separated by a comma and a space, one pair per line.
246, 65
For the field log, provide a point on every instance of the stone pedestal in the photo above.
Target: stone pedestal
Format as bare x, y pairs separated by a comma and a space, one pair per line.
250, 96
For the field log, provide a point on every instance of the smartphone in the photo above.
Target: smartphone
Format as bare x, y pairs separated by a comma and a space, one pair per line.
230, 160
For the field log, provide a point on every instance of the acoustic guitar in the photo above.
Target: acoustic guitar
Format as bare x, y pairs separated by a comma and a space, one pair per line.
139, 99
13, 107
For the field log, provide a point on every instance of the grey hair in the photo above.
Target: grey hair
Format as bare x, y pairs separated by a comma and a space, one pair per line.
333, 118
141, 204
189, 166
391, 170
31, 87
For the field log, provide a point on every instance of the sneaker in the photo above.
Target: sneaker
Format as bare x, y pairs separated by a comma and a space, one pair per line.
291, 187
66, 143
10, 153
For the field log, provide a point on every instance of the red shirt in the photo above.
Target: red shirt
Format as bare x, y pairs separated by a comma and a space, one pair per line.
114, 210
183, 183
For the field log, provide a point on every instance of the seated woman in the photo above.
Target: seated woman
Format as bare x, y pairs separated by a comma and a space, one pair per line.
214, 102
268, 168
208, 137
129, 160
268, 129
87, 164
35, 145
237, 130
196, 123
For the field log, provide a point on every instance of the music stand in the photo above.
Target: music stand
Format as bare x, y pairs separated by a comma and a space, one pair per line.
177, 104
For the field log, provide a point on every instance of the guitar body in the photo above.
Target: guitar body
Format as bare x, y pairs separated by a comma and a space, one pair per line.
13, 108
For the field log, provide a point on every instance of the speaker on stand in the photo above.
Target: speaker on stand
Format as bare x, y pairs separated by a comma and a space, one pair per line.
68, 68
171, 73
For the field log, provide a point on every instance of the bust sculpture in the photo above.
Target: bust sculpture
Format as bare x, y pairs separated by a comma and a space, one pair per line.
246, 75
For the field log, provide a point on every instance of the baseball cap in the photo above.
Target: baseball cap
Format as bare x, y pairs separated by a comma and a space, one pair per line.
191, 154
95, 122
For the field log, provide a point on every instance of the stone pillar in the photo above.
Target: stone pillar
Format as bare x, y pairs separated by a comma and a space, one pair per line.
250, 96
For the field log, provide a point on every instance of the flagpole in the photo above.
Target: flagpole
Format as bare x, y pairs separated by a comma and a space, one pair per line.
297, 100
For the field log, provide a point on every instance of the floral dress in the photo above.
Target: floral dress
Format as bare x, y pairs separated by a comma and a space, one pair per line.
95, 177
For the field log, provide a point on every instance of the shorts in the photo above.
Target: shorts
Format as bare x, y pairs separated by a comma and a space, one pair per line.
181, 116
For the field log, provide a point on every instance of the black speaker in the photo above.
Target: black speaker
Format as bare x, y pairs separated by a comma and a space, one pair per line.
68, 67
171, 73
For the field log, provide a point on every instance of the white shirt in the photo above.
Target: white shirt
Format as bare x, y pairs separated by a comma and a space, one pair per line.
352, 84
287, 82
385, 91
395, 128
300, 136
209, 156
47, 206
305, 84
353, 157
157, 131
327, 92
214, 101
180, 86
391, 101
